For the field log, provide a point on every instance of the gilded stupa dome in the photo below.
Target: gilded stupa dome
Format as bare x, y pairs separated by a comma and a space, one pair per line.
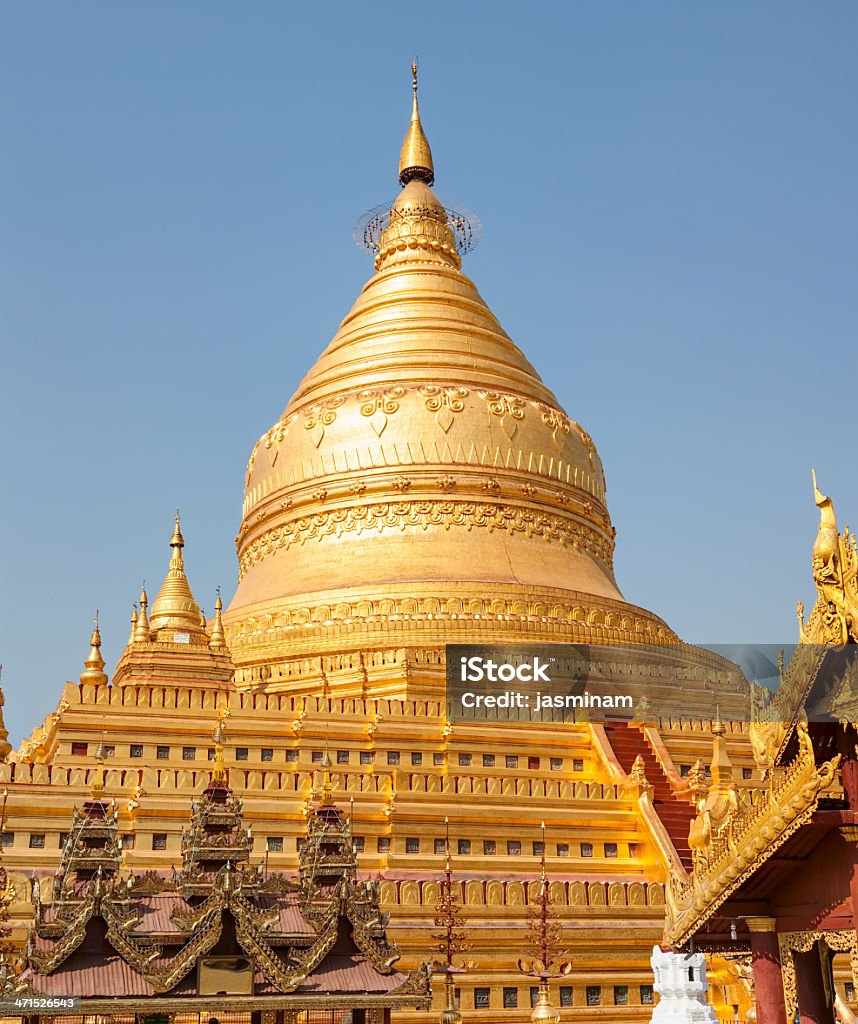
422, 461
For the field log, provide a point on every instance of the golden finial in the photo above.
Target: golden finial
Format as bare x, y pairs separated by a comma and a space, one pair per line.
218, 638
722, 766
133, 622
177, 540
219, 738
94, 671
415, 157
327, 797
98, 778
142, 633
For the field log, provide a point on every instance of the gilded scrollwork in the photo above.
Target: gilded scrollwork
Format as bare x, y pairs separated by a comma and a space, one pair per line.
443, 397
325, 413
385, 400
557, 422
502, 404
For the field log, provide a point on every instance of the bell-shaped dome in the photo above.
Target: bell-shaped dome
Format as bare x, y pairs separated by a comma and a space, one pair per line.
422, 463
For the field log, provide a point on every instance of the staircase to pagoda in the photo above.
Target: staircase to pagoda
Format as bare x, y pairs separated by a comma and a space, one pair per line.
627, 742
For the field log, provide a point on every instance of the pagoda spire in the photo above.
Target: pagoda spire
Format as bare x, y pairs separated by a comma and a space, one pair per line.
175, 607
142, 630
415, 157
94, 665
218, 637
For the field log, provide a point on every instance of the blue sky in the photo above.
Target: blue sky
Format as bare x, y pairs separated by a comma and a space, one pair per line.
668, 198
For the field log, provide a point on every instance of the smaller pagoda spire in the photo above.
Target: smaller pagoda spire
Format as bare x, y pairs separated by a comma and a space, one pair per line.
218, 637
94, 665
175, 607
722, 766
133, 623
415, 157
142, 631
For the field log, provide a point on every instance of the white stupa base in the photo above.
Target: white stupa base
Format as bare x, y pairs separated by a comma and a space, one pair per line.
680, 981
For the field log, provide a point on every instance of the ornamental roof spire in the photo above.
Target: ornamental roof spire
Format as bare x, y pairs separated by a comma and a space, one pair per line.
94, 671
219, 738
175, 607
142, 632
327, 797
415, 157
98, 778
218, 638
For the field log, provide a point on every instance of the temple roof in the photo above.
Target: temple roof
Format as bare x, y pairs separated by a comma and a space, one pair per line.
108, 934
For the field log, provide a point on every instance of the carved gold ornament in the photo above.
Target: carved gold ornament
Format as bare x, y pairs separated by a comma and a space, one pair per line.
744, 840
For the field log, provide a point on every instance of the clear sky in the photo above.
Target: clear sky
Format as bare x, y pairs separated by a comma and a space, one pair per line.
668, 199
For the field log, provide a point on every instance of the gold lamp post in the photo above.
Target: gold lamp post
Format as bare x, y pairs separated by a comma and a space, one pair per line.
543, 956
450, 936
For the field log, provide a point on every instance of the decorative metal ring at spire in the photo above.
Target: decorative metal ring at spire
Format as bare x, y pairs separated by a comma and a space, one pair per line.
368, 229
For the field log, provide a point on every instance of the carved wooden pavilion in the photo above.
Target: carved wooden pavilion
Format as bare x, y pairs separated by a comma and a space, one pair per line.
777, 875
221, 938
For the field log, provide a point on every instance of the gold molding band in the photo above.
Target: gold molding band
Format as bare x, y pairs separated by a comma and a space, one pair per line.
401, 515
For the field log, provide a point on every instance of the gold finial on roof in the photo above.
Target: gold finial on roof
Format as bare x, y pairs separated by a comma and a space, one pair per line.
218, 638
219, 738
415, 157
177, 540
142, 632
722, 766
98, 778
133, 622
101, 750
327, 797
94, 671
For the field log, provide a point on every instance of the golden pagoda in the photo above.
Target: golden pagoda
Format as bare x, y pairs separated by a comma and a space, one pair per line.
422, 487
